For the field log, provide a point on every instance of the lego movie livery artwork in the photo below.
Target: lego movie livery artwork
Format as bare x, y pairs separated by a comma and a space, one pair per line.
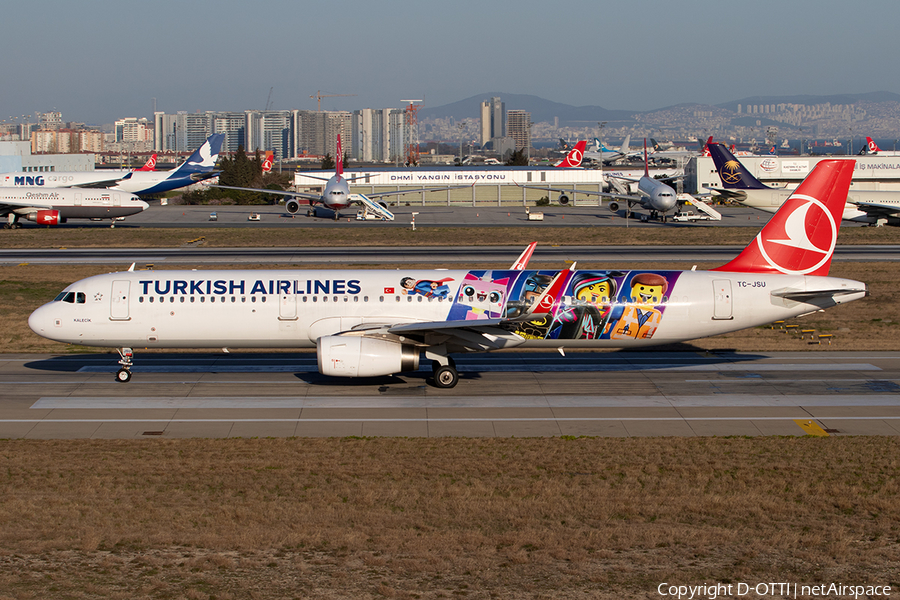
592, 305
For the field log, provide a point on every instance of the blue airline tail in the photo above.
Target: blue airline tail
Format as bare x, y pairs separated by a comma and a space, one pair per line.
204, 158
733, 174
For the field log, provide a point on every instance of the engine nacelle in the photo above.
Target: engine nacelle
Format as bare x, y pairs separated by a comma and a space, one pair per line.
614, 206
44, 217
356, 356
292, 206
563, 199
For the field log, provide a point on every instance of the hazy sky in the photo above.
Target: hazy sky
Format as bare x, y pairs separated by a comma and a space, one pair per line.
97, 61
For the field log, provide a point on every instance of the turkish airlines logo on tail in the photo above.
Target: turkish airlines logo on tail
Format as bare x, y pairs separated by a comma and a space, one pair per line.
268, 161
800, 252
873, 147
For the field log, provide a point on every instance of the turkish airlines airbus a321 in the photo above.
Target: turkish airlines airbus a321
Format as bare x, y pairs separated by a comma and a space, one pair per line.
367, 323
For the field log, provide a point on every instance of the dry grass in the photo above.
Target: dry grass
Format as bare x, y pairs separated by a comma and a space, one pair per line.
433, 518
394, 236
868, 324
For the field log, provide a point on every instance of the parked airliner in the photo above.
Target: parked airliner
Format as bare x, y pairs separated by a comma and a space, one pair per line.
653, 194
52, 206
199, 166
370, 323
876, 207
336, 196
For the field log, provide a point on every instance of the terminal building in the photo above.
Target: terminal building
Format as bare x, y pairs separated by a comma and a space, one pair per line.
497, 186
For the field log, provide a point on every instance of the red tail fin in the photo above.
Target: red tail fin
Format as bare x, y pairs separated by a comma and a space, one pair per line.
268, 161
800, 238
575, 156
873, 147
150, 165
339, 159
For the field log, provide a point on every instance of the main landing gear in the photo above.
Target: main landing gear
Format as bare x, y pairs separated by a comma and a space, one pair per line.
12, 221
445, 375
124, 374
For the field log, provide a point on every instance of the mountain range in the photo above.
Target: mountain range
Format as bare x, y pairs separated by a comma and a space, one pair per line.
546, 110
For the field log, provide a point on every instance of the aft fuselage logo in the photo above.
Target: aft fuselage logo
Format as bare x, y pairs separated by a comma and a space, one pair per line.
797, 253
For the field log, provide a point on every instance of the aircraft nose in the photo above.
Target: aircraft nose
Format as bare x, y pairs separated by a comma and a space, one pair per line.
137, 201
40, 321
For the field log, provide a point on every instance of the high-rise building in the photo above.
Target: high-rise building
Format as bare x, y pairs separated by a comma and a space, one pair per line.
316, 132
493, 119
270, 130
518, 127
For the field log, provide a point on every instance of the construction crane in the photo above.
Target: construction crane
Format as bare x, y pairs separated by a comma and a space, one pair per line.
319, 95
411, 131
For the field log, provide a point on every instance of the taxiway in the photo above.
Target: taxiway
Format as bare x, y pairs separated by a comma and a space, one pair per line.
501, 394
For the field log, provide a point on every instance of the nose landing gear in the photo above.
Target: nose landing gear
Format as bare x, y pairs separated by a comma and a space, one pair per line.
124, 374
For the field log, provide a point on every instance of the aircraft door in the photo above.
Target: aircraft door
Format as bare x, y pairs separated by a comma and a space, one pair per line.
77, 198
118, 300
287, 307
722, 299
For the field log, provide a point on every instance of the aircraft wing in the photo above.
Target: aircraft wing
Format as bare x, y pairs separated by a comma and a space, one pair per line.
586, 192
8, 205
416, 191
876, 209
106, 183
475, 334
306, 195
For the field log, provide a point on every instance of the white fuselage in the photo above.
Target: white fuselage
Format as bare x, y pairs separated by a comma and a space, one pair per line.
293, 308
770, 200
656, 196
70, 203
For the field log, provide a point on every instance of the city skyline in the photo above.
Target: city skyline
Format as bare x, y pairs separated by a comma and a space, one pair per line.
223, 56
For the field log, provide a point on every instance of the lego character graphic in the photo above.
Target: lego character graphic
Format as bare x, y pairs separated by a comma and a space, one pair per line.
638, 317
588, 315
532, 288
424, 287
480, 297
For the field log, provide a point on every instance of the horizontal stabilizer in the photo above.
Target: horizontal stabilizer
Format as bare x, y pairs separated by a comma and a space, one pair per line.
807, 295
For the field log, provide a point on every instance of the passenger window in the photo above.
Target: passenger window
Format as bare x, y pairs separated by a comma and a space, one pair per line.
151, 299
141, 299
212, 298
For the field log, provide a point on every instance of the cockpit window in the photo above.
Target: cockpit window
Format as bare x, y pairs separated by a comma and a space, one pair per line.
71, 297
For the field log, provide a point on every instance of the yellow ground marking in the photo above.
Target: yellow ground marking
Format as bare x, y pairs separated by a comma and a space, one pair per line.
810, 428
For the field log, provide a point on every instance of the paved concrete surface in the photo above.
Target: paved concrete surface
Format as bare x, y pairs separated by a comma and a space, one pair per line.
501, 394
589, 215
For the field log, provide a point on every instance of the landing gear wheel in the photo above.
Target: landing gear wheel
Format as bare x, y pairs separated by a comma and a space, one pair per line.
310, 213
446, 377
123, 376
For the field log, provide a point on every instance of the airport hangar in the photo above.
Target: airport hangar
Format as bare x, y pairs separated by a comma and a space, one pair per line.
871, 173
497, 186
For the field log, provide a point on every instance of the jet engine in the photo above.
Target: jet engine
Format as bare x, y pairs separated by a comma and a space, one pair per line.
356, 356
292, 206
614, 206
45, 217
563, 199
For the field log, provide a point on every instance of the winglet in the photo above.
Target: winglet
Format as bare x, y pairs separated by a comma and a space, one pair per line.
800, 238
523, 259
546, 301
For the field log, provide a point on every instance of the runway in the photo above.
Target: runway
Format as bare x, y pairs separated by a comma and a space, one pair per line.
521, 394
374, 255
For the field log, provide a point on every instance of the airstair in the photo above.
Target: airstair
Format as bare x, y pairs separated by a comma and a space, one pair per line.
706, 212
372, 207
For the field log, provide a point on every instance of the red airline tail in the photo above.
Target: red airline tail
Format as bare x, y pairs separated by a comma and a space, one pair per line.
268, 161
706, 146
800, 238
150, 165
575, 156
339, 159
873, 147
